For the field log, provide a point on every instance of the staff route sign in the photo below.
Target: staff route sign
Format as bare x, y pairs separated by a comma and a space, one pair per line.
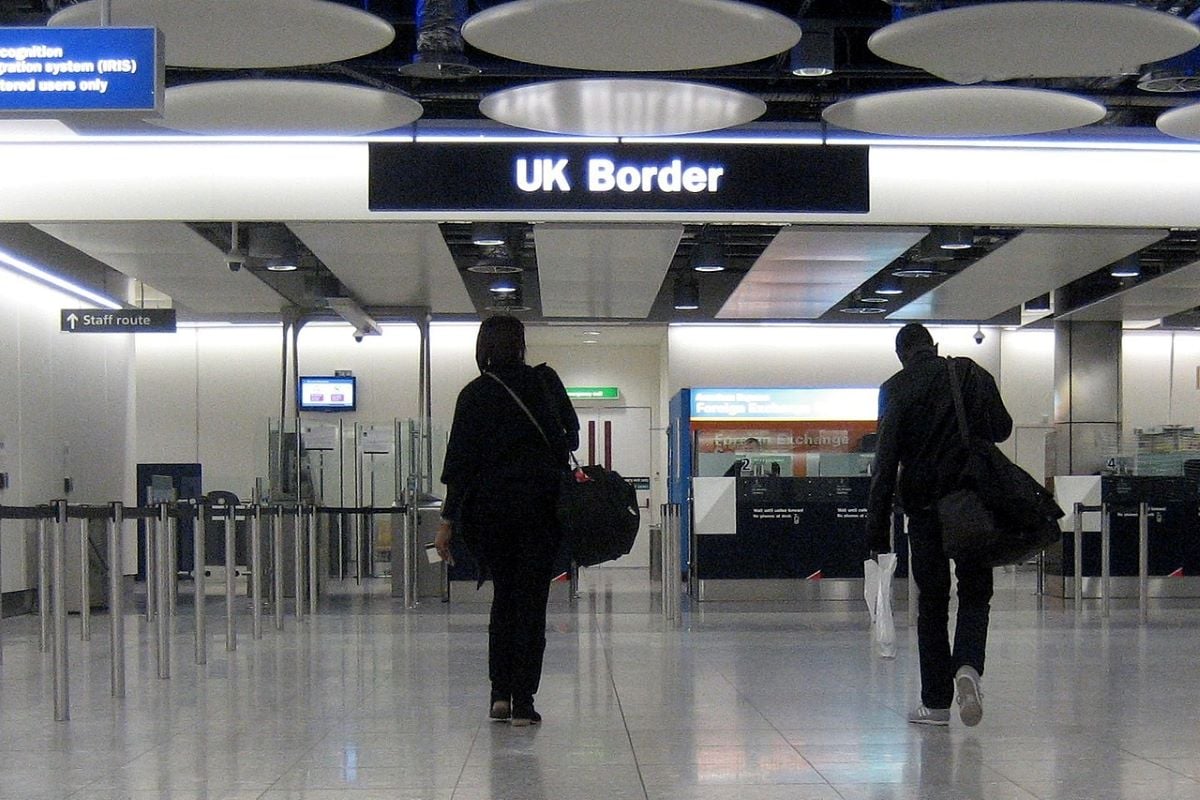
132, 320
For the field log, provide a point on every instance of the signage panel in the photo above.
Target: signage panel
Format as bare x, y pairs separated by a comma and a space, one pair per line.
593, 392
784, 404
47, 71
519, 176
133, 320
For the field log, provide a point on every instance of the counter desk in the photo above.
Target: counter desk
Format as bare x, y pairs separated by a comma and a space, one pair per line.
778, 538
1173, 535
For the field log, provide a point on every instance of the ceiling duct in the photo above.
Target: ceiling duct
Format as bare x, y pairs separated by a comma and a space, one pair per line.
439, 41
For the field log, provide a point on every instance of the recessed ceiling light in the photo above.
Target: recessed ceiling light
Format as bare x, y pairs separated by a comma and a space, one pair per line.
494, 268
591, 333
862, 310
875, 300
917, 272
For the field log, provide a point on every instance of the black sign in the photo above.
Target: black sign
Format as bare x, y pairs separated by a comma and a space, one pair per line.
506, 176
126, 320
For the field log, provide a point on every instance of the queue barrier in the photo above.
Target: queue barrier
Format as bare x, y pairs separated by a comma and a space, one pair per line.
1106, 510
161, 542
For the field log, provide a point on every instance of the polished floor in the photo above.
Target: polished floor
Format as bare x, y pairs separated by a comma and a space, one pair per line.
367, 701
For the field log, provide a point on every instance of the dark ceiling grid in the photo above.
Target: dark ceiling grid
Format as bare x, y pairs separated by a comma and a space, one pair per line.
1180, 248
924, 257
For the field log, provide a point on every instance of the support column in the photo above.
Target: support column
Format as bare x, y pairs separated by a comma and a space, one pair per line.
1087, 395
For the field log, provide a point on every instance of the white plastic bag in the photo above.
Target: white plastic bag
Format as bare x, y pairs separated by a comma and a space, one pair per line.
877, 591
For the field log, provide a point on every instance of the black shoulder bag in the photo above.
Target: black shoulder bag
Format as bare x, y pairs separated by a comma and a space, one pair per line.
1000, 514
597, 508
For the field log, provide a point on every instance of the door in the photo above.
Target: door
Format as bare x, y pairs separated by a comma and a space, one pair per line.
620, 439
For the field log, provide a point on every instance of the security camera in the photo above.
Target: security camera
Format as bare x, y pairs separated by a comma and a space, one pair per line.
978, 336
235, 259
358, 336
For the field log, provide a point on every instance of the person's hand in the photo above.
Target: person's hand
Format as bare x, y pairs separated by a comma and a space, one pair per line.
441, 542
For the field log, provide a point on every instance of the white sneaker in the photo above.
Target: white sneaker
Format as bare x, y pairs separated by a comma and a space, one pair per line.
929, 716
970, 696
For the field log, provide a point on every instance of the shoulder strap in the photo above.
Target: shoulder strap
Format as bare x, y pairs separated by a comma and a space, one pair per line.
956, 391
521, 403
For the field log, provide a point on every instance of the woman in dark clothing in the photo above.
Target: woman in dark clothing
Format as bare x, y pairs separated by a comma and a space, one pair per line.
502, 473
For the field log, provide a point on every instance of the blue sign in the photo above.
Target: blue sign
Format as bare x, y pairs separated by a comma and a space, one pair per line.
785, 404
49, 71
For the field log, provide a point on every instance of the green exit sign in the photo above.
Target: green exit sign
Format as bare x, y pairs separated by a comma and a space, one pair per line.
593, 392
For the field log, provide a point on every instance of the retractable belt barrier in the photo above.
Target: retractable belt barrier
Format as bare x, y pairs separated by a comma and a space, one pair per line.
1106, 510
160, 536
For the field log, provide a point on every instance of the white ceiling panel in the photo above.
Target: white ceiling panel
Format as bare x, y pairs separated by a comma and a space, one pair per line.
173, 259
389, 263
806, 271
1173, 293
1032, 264
603, 271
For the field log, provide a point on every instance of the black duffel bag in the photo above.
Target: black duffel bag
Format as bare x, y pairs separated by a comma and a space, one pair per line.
599, 515
1000, 514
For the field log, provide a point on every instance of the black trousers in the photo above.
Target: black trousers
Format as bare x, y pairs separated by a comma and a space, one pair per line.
519, 542
931, 572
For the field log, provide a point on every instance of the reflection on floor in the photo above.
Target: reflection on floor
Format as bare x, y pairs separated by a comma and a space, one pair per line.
748, 701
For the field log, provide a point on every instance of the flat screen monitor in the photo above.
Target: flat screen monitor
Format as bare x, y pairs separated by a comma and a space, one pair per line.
328, 393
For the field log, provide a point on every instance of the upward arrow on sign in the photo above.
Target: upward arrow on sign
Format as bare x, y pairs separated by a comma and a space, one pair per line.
71, 320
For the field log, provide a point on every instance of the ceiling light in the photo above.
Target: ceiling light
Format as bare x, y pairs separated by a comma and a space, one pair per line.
591, 333
687, 294
889, 287
812, 56
955, 237
708, 256
487, 233
930, 250
1128, 267
47, 277
511, 301
505, 284
490, 267
914, 271
874, 300
282, 265
862, 310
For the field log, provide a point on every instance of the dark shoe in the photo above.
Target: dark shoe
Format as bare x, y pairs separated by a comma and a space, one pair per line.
970, 696
501, 706
523, 715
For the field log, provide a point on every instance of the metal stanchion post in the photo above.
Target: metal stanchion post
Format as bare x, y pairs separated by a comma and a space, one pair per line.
277, 568
230, 568
1078, 557
151, 547
199, 561
665, 516
256, 571
408, 536
172, 570
163, 598
43, 585
312, 562
1143, 562
256, 595
58, 566
1105, 558
116, 617
85, 583
298, 566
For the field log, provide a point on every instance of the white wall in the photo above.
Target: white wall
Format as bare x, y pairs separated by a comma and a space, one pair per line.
1159, 379
64, 412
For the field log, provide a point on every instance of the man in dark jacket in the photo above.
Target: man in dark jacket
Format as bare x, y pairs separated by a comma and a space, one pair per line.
920, 442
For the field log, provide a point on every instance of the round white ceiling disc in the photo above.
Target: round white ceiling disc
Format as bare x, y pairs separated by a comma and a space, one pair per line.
1182, 123
631, 35
244, 34
284, 107
621, 107
1034, 39
964, 111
